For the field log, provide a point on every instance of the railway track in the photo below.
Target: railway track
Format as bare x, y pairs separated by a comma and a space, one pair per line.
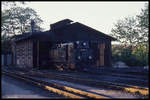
56, 88
105, 84
145, 77
116, 79
129, 80
119, 73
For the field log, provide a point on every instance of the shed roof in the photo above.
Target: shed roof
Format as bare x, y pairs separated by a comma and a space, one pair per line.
71, 32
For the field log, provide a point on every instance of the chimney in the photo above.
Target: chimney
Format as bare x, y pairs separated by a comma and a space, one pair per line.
32, 26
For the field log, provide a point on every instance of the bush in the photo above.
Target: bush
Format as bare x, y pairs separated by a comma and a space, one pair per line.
132, 56
141, 54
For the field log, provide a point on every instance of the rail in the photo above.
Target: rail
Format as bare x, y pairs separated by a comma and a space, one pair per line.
112, 85
56, 88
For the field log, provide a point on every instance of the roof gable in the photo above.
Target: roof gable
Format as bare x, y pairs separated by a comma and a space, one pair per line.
78, 31
70, 32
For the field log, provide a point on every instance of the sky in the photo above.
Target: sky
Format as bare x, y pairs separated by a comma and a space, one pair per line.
98, 15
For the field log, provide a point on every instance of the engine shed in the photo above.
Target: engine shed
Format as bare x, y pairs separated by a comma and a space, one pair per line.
67, 43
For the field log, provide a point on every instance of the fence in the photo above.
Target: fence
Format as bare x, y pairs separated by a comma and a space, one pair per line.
6, 59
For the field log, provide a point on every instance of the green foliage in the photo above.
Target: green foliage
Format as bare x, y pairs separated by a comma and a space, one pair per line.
133, 30
132, 56
126, 31
141, 54
144, 18
143, 24
17, 20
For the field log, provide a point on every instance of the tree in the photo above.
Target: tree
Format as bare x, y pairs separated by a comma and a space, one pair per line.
133, 30
141, 55
131, 56
143, 24
17, 20
126, 31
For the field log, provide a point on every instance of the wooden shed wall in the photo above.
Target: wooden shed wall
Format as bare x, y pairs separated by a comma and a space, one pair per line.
24, 54
103, 53
107, 59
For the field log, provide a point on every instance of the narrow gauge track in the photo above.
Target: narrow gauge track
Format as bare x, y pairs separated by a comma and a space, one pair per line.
105, 84
142, 77
109, 78
129, 71
92, 73
56, 88
70, 78
119, 79
112, 72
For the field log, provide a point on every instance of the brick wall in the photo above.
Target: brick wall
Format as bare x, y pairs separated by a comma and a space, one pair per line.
24, 54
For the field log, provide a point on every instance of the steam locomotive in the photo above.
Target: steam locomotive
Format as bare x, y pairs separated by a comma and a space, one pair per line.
73, 55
